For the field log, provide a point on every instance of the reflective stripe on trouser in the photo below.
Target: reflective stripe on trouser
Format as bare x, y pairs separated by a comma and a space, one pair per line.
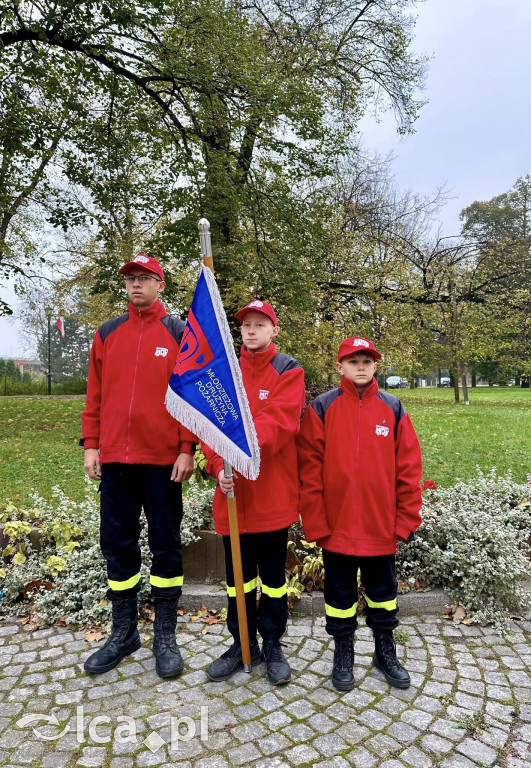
263, 554
125, 490
341, 592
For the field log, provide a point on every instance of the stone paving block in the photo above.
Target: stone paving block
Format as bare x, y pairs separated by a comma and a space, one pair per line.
362, 758
301, 754
403, 732
274, 743
329, 745
390, 705
298, 732
469, 702
477, 751
353, 732
375, 720
382, 745
300, 709
457, 761
55, 760
433, 743
276, 720
247, 711
252, 731
412, 756
448, 728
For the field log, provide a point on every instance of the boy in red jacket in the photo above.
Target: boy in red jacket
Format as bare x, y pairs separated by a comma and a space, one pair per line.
359, 469
268, 505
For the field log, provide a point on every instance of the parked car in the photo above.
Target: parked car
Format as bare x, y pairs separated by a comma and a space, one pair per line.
396, 382
445, 381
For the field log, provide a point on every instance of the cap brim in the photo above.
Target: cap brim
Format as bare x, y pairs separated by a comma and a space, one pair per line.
131, 264
373, 353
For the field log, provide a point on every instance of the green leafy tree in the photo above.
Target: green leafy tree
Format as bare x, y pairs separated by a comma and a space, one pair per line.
244, 102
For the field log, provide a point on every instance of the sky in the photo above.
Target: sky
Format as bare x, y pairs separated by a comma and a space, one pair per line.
473, 135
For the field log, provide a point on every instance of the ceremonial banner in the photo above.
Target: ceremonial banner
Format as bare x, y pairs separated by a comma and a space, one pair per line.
206, 392
61, 326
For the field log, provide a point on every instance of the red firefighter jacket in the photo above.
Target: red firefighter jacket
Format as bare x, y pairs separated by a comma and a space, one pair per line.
275, 388
131, 361
359, 470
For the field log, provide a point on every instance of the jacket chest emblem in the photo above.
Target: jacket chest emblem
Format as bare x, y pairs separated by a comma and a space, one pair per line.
161, 352
263, 394
383, 431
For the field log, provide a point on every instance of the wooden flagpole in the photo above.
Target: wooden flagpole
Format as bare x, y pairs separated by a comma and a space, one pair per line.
206, 254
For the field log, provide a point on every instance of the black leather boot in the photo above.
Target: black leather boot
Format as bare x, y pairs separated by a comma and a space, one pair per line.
124, 638
278, 671
231, 661
342, 675
385, 660
168, 659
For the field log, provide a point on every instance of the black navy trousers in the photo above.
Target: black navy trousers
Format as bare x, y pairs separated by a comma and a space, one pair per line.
263, 555
125, 490
341, 592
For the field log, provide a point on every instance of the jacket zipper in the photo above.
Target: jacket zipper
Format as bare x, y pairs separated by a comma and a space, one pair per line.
133, 389
356, 466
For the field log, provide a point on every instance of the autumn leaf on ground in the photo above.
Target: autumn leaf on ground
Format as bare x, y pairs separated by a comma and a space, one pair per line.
92, 635
459, 614
33, 586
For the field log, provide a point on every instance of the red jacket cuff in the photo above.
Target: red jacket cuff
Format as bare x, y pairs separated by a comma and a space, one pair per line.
91, 442
403, 531
187, 447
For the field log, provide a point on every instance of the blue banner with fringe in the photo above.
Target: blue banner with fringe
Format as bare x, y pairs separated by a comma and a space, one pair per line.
206, 392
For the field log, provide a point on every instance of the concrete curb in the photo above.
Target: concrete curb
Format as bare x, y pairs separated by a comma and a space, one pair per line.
213, 596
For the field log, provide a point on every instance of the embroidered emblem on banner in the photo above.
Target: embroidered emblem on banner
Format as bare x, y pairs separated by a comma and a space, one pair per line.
383, 431
360, 343
195, 351
142, 259
161, 352
263, 394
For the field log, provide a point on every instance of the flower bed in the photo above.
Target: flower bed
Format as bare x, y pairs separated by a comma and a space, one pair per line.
474, 542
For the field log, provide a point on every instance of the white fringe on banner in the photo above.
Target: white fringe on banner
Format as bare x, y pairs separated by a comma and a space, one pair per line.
206, 430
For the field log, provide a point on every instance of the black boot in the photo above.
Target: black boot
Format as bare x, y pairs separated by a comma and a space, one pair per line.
385, 660
342, 675
168, 659
123, 640
278, 671
231, 661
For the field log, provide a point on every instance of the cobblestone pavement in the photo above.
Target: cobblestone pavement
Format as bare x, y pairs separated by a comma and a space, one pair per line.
469, 703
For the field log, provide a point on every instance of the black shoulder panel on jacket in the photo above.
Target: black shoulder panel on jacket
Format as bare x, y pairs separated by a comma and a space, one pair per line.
282, 363
111, 325
323, 402
175, 326
395, 404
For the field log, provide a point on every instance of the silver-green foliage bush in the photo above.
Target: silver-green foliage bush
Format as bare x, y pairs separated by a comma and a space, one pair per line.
475, 542
70, 582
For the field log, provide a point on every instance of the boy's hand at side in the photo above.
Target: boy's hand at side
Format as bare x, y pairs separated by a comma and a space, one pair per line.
226, 483
92, 463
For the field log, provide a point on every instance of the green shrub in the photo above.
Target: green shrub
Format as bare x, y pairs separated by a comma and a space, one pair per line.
66, 576
474, 542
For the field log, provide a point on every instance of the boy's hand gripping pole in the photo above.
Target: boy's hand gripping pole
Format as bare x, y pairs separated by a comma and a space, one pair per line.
206, 254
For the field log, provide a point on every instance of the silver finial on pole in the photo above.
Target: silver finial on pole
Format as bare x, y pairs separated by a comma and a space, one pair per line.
205, 242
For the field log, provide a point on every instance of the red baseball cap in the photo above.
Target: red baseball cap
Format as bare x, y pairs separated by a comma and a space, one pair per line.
357, 344
146, 262
257, 306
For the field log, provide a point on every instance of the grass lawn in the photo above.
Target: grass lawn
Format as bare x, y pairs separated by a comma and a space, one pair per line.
493, 431
39, 438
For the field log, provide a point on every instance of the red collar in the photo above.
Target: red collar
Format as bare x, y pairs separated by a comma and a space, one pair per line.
149, 314
349, 389
259, 359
